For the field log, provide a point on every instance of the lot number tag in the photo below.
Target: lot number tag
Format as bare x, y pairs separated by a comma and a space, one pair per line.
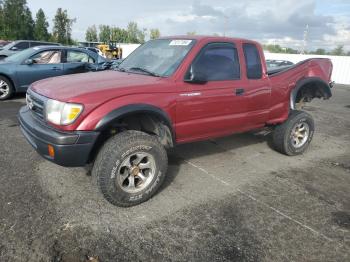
180, 42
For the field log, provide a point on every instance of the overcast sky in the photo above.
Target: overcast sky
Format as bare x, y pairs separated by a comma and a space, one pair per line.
269, 21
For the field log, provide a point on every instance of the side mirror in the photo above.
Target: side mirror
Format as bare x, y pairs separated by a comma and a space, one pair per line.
29, 62
196, 76
14, 48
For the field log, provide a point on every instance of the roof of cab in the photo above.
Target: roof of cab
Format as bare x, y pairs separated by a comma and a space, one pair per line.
206, 37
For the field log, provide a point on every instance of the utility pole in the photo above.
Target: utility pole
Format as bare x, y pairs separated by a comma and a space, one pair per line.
304, 45
225, 24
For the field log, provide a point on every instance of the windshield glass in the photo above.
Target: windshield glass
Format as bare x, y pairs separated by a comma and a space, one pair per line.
8, 46
159, 57
20, 56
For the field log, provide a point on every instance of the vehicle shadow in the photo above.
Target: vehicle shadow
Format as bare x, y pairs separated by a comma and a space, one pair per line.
182, 153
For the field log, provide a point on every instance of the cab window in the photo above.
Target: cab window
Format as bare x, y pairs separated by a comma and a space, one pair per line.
218, 62
47, 57
252, 61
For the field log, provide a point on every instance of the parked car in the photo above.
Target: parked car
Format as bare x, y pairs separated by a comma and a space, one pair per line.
3, 43
278, 63
96, 50
20, 45
17, 72
169, 91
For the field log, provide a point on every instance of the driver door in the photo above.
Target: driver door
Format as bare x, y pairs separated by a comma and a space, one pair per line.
215, 106
45, 64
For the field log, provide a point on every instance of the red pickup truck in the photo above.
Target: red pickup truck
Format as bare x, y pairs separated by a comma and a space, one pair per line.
169, 91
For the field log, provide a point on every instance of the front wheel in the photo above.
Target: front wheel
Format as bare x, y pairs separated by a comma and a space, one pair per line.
6, 88
130, 168
294, 136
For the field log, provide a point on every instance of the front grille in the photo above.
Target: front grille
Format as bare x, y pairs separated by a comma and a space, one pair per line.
36, 104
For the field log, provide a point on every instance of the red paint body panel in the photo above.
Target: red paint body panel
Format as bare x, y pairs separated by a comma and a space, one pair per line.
197, 111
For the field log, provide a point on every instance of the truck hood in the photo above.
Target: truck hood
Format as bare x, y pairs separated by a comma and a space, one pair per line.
81, 87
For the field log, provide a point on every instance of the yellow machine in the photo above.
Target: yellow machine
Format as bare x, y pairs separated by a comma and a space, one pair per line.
110, 50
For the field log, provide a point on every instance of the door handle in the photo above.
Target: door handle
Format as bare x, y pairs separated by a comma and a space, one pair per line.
55, 68
239, 91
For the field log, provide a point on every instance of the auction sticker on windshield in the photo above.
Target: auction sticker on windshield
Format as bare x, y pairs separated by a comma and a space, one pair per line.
180, 42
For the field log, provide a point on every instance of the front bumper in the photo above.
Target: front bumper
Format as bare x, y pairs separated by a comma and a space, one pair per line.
71, 149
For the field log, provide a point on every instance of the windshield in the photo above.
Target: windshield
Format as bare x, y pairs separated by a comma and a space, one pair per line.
8, 46
20, 56
159, 57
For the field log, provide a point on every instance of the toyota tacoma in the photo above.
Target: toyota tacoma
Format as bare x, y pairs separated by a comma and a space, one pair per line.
169, 91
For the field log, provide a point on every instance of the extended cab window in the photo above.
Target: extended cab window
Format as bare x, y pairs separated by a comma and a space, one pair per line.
253, 61
78, 57
218, 62
47, 57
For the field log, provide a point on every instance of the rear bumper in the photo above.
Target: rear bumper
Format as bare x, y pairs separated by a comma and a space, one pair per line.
72, 149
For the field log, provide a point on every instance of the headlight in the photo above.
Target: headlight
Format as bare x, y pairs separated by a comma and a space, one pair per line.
60, 113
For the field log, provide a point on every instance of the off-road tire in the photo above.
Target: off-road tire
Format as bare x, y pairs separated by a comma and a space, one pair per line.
283, 134
109, 161
10, 86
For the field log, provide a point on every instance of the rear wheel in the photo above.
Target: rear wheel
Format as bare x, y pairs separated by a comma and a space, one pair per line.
6, 88
130, 168
294, 136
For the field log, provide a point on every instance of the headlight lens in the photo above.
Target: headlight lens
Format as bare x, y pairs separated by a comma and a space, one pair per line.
60, 113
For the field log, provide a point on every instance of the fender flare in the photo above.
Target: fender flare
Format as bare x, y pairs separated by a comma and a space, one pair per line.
132, 109
325, 88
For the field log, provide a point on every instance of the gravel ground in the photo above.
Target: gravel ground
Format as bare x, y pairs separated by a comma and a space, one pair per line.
229, 199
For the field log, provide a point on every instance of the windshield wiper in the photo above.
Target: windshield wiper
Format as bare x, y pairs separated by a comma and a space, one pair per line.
144, 70
121, 69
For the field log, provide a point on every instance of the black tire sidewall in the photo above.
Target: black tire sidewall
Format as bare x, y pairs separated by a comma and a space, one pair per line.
107, 177
2, 78
299, 118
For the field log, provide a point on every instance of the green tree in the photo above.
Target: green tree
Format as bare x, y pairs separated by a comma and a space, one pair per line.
135, 35
339, 50
141, 35
62, 29
17, 20
273, 48
289, 50
154, 33
132, 32
119, 35
105, 33
91, 34
320, 51
1, 20
41, 26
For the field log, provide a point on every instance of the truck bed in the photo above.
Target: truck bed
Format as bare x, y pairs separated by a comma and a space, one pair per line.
288, 79
281, 69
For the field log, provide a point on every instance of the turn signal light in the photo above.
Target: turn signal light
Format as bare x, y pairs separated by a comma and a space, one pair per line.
51, 151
